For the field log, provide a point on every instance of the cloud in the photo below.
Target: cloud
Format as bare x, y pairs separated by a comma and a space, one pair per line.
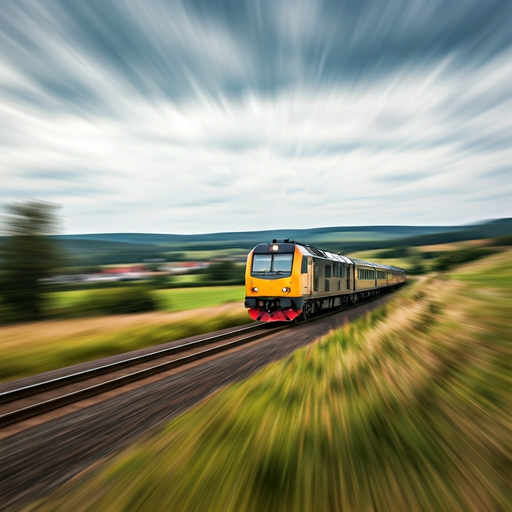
219, 116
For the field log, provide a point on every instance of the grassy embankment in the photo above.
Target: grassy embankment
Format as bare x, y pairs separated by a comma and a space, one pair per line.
28, 349
406, 409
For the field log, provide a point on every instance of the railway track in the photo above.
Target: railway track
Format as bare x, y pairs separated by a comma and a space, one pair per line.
26, 402
29, 401
37, 456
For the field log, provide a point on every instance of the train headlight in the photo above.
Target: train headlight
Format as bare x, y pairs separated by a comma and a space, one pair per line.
275, 247
254, 290
286, 290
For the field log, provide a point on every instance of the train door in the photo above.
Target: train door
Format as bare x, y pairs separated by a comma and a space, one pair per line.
316, 275
306, 277
349, 284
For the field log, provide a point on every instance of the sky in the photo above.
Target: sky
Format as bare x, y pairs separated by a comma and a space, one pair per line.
205, 116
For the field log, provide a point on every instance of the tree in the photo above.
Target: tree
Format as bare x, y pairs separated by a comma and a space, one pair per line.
27, 255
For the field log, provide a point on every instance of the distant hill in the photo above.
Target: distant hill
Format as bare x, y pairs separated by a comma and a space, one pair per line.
320, 234
112, 248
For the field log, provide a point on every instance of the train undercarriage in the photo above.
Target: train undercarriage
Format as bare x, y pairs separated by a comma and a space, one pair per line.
294, 309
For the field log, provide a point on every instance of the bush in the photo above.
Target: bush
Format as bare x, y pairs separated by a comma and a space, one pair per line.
224, 273
452, 259
117, 301
417, 267
8, 314
394, 252
160, 281
501, 241
111, 301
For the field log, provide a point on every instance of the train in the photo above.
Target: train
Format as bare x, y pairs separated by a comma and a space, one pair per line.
287, 281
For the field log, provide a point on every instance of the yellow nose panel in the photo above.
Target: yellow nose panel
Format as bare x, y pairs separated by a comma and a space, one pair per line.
274, 287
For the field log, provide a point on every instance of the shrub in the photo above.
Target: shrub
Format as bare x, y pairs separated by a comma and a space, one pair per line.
501, 241
110, 301
117, 301
224, 273
452, 259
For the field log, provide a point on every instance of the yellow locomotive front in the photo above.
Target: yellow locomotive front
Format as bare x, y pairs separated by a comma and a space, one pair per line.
273, 282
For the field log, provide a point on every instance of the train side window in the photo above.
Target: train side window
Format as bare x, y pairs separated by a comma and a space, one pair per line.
327, 270
304, 268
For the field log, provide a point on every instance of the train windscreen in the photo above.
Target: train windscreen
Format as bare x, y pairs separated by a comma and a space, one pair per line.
278, 264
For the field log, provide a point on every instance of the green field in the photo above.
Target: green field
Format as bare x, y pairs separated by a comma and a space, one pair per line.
43, 346
36, 347
178, 299
407, 409
184, 279
181, 299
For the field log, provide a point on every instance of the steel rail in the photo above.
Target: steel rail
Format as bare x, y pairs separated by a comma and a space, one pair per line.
40, 387
36, 409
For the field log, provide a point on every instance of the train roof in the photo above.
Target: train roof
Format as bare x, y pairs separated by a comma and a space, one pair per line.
377, 265
309, 250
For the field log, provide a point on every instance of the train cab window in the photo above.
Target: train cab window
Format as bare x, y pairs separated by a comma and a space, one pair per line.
283, 262
304, 268
272, 264
327, 270
262, 262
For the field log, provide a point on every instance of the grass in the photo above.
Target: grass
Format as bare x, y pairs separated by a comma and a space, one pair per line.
31, 348
495, 272
42, 346
405, 409
178, 299
185, 278
378, 257
181, 299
